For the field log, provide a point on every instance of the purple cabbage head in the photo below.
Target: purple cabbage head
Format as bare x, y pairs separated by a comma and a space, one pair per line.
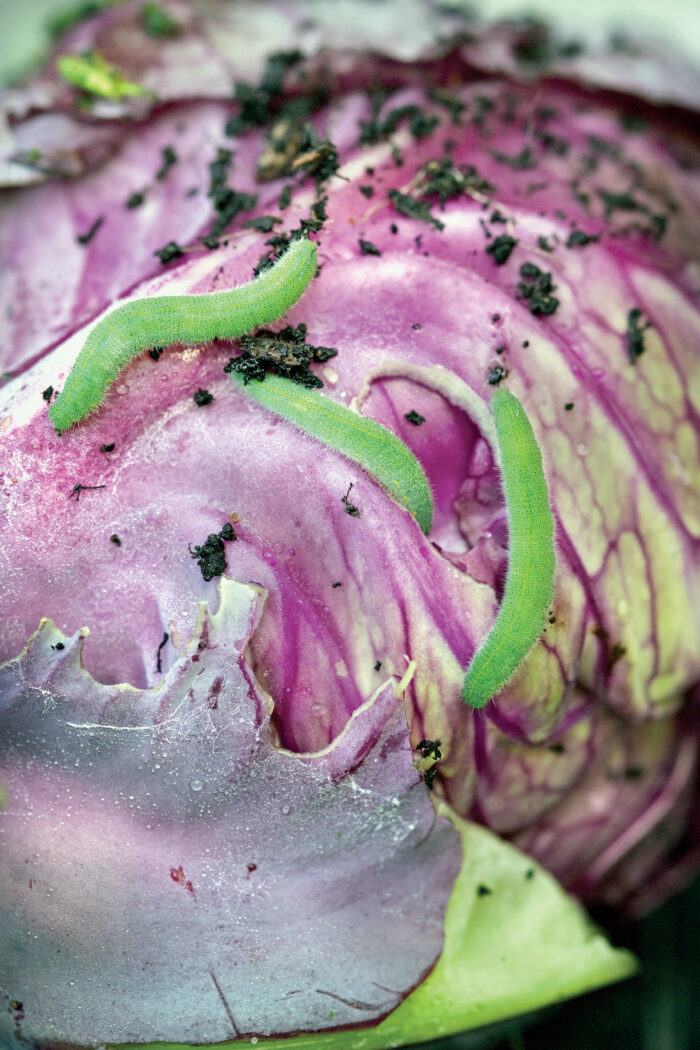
240, 794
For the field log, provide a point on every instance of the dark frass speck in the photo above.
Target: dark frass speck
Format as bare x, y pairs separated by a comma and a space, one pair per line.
162, 645
367, 248
169, 252
635, 334
169, 159
350, 508
578, 238
211, 555
537, 288
497, 374
430, 748
414, 417
500, 248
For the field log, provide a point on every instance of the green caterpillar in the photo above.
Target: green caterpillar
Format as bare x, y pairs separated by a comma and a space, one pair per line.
161, 320
531, 558
381, 453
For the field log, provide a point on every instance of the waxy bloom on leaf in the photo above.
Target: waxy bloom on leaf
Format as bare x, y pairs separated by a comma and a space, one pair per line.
385, 329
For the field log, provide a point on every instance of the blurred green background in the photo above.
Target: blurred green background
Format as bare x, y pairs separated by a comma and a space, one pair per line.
659, 1009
